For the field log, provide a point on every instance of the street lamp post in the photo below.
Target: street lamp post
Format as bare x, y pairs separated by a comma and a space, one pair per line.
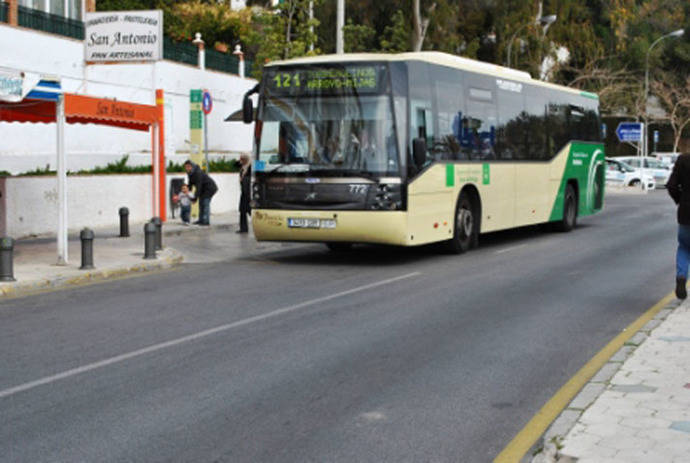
645, 129
545, 22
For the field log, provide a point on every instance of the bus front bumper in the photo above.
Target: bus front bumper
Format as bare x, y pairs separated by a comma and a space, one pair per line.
383, 227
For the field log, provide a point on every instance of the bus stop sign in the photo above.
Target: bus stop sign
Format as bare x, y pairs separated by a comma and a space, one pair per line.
206, 102
629, 131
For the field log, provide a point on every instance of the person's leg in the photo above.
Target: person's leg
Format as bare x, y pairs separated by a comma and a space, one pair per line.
205, 211
244, 227
682, 260
184, 213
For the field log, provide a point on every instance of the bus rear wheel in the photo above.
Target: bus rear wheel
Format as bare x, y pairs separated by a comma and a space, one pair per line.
569, 220
465, 230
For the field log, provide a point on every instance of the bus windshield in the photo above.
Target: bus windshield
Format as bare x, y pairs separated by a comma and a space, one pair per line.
335, 133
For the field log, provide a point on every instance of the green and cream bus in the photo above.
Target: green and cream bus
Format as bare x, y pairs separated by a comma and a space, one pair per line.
415, 148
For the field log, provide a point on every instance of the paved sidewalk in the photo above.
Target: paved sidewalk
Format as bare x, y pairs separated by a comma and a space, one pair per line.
35, 259
637, 408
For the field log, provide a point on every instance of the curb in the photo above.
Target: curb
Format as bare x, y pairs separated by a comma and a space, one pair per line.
183, 230
167, 258
547, 449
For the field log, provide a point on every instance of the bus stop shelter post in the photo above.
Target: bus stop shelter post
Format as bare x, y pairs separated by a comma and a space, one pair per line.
161, 178
62, 248
155, 171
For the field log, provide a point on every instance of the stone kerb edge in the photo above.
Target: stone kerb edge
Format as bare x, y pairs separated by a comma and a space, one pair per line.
167, 258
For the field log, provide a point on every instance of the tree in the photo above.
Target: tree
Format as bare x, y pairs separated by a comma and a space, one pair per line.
420, 25
283, 32
674, 96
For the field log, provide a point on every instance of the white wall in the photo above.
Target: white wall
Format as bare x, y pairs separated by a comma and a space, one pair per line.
27, 146
29, 204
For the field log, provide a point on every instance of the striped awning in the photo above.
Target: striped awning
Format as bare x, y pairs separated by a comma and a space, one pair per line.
47, 89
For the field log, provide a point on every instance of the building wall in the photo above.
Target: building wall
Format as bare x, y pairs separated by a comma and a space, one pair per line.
28, 205
28, 146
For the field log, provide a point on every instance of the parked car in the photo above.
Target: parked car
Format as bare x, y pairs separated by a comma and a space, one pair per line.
652, 166
666, 158
621, 174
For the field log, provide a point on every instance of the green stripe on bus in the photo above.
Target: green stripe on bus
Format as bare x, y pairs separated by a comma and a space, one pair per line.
450, 174
593, 96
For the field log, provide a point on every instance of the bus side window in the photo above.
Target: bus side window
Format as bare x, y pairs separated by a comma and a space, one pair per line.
479, 131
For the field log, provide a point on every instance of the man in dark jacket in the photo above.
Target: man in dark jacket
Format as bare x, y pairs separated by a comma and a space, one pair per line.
204, 189
245, 192
678, 187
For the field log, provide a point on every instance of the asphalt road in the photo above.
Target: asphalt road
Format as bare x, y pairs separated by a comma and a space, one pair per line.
299, 355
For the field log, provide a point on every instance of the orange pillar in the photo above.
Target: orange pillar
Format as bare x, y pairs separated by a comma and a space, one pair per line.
13, 13
161, 153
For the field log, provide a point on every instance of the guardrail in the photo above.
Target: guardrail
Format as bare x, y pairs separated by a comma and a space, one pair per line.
4, 12
46, 22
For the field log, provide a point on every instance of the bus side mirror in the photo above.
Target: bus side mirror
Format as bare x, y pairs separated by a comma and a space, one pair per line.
247, 110
419, 152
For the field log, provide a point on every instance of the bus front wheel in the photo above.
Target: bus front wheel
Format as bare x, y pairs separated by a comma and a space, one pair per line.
465, 230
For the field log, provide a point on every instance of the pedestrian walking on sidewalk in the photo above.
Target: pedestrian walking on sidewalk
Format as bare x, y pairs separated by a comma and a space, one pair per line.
185, 197
204, 189
678, 187
245, 192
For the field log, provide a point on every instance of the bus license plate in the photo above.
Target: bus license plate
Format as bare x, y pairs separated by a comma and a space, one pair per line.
310, 223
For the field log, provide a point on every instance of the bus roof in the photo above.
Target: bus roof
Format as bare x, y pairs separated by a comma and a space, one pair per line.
434, 57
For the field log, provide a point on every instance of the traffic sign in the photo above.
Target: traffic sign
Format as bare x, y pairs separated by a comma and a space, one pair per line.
629, 131
656, 136
206, 102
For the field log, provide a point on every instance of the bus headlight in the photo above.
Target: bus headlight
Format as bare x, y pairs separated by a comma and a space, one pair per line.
388, 197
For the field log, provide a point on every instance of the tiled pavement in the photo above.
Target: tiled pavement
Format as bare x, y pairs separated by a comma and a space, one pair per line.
637, 408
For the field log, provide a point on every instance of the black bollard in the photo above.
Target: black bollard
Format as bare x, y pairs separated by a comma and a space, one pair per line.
149, 241
6, 256
124, 222
159, 232
86, 237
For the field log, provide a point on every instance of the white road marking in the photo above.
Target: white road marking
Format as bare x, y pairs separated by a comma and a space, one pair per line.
512, 248
192, 337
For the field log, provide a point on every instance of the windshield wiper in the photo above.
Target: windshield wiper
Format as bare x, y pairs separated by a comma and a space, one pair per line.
344, 173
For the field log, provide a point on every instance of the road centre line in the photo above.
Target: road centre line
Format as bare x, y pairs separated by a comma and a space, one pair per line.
537, 426
192, 337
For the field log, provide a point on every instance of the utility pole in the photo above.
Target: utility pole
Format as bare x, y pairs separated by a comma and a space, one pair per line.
340, 24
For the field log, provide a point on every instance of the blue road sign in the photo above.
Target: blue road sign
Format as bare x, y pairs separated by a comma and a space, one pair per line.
656, 136
206, 102
629, 131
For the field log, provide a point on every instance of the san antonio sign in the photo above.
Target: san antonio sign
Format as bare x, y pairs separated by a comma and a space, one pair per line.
124, 36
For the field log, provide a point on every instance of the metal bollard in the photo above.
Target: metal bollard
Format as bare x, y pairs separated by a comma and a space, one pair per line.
149, 240
6, 256
159, 232
86, 237
124, 222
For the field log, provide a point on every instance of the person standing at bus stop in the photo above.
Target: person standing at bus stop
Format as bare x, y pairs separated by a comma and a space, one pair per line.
204, 189
678, 187
245, 192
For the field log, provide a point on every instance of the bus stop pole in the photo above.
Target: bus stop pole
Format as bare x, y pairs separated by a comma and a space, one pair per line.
62, 249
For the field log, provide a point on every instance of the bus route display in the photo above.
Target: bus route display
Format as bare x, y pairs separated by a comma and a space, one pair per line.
336, 80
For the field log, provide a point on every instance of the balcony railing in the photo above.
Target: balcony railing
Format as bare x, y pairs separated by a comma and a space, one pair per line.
4, 12
38, 20
182, 52
222, 62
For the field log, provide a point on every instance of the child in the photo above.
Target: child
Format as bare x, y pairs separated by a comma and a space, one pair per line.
185, 197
